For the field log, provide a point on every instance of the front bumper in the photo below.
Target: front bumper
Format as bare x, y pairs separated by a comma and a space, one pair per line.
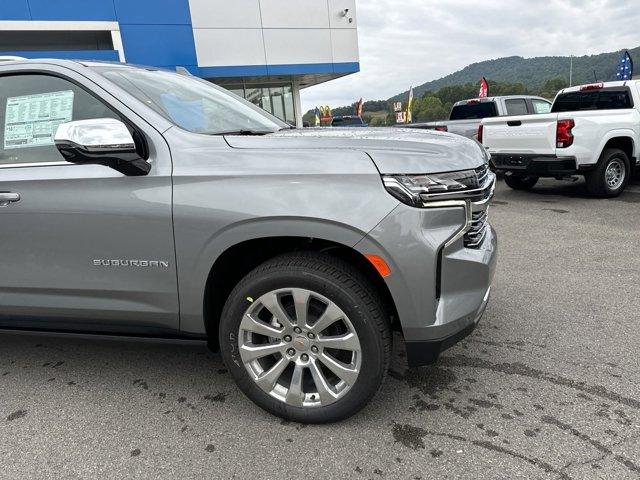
466, 281
440, 288
534, 165
428, 352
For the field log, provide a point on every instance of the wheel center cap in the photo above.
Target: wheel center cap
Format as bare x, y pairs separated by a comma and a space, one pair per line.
301, 343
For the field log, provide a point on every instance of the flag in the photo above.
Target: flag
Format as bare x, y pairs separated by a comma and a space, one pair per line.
325, 115
625, 67
484, 88
409, 106
317, 116
359, 107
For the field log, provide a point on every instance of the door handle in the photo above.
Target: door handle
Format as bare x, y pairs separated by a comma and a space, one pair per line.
8, 197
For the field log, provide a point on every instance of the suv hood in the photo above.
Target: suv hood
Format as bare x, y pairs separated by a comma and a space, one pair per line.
394, 150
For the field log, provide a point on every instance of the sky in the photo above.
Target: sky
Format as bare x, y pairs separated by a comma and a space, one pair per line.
410, 42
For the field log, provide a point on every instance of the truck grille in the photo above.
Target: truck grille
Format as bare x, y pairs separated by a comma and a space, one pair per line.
481, 174
474, 237
480, 184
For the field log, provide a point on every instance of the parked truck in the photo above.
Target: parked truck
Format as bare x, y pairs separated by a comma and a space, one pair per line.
466, 115
592, 131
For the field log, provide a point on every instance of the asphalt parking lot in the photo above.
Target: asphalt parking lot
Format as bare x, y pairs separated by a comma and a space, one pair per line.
547, 387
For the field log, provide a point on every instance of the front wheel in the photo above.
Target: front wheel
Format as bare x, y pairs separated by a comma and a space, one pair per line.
305, 337
520, 183
611, 175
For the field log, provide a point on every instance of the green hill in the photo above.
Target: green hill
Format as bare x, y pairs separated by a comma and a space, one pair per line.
507, 76
532, 72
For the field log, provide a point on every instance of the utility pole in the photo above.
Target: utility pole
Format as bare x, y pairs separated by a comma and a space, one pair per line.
571, 71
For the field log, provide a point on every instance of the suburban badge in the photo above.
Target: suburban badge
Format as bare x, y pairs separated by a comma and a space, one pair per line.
131, 263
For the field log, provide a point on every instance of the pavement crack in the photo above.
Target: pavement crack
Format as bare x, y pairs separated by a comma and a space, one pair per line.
521, 369
412, 437
531, 460
549, 420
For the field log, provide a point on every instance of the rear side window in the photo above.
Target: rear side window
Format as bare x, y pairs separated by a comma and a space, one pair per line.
540, 106
603, 99
31, 108
471, 111
516, 106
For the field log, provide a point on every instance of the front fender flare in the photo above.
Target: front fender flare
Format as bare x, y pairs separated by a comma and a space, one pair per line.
192, 281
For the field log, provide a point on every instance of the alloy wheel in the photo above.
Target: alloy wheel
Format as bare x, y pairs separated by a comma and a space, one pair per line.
299, 347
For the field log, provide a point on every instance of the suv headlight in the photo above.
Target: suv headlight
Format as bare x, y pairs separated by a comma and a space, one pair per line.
415, 190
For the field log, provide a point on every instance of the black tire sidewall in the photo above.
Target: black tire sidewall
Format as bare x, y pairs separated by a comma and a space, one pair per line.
372, 368
521, 182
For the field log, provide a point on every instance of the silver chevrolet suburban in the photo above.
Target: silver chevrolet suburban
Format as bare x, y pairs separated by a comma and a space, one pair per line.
141, 202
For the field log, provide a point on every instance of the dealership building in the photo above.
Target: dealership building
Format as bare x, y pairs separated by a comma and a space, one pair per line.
263, 50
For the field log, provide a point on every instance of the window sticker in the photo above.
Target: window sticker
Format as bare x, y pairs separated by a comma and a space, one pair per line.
32, 120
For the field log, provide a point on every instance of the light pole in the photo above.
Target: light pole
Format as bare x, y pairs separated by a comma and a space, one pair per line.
571, 70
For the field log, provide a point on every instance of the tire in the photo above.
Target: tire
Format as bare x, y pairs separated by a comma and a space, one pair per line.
601, 182
333, 286
521, 183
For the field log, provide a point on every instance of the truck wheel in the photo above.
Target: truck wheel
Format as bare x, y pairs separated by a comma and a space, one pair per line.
306, 338
520, 183
610, 176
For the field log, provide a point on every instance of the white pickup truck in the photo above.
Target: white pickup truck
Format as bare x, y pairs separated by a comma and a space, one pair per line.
466, 115
592, 130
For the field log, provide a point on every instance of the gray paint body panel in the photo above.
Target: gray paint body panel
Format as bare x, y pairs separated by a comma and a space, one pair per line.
412, 238
224, 196
394, 150
70, 215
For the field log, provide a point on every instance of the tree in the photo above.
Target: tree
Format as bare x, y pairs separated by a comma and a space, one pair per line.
378, 121
552, 87
429, 109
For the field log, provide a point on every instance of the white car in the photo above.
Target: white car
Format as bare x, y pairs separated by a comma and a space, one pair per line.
592, 130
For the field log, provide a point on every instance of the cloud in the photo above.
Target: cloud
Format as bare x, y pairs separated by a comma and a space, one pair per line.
409, 42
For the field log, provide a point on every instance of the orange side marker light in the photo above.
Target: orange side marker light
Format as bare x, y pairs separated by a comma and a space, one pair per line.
379, 264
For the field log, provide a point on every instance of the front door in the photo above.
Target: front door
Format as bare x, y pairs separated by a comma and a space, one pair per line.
82, 247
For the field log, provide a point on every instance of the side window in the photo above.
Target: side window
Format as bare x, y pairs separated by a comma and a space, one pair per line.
540, 106
31, 108
516, 106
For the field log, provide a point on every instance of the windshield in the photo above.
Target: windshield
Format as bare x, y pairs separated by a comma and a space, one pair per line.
473, 111
192, 104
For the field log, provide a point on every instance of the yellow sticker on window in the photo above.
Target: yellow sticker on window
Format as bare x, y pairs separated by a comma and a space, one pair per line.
32, 120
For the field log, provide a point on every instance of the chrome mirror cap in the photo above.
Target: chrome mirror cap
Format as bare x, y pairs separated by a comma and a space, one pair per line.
101, 141
96, 135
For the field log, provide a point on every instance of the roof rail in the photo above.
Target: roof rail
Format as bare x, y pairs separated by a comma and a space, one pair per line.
10, 58
183, 71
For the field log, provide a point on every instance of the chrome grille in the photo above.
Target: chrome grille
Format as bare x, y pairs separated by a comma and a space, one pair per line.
481, 174
475, 200
474, 237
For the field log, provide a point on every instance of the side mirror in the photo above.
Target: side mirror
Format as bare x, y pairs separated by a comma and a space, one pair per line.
101, 141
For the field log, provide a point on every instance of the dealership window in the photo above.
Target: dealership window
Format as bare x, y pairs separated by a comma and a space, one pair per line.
37, 40
259, 97
238, 89
276, 99
31, 108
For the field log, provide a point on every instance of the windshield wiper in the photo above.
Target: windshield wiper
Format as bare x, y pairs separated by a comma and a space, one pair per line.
244, 132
